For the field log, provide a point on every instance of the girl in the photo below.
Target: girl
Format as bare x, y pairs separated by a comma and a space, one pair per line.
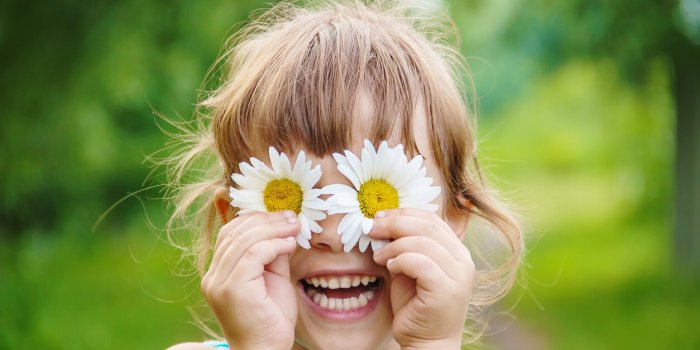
316, 89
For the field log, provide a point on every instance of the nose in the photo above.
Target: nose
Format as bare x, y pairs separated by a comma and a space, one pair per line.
328, 239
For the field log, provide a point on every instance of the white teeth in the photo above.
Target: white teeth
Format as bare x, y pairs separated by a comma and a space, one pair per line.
340, 303
336, 282
361, 300
365, 280
345, 281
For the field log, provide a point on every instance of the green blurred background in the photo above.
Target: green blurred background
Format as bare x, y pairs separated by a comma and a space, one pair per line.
589, 123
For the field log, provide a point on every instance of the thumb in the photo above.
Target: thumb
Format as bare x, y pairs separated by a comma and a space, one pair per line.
280, 266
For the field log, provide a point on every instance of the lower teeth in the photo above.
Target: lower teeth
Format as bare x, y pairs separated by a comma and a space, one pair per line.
340, 304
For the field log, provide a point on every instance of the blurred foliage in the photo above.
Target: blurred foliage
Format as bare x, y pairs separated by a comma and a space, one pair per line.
577, 129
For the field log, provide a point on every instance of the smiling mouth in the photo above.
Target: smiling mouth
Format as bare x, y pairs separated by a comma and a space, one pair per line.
342, 293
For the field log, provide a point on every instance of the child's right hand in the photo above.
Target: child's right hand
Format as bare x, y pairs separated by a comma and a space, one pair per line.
248, 284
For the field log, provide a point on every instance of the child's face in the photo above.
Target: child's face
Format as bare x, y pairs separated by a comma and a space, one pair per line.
364, 327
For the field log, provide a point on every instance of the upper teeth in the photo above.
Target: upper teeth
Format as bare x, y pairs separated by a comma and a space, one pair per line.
345, 281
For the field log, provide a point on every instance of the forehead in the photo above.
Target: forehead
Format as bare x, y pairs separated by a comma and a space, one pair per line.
362, 126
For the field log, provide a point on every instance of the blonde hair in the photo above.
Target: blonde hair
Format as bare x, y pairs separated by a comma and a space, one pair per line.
291, 77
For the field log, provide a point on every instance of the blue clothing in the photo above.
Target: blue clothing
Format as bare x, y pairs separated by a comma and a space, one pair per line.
216, 344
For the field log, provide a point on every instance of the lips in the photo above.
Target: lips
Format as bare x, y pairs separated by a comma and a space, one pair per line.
345, 296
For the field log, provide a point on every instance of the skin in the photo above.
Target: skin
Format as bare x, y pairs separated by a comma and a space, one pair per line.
251, 284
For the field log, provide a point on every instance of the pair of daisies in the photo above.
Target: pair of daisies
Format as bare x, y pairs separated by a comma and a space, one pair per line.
381, 179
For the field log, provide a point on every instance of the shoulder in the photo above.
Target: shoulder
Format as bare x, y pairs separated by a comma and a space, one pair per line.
191, 346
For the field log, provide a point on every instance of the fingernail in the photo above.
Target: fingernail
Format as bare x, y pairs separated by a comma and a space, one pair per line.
289, 214
380, 214
389, 262
292, 220
377, 253
290, 238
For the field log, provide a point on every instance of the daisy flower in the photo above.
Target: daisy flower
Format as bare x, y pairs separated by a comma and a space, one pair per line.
381, 179
281, 188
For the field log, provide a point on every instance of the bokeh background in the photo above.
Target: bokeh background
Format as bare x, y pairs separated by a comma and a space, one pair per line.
589, 123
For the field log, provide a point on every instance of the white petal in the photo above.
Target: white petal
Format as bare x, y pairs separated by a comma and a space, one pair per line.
415, 186
425, 196
286, 166
263, 169
344, 201
299, 172
338, 209
378, 244
313, 213
355, 237
353, 228
367, 225
303, 242
312, 193
305, 230
245, 195
280, 163
251, 183
248, 171
339, 189
356, 165
367, 164
407, 173
369, 146
420, 173
381, 160
315, 227
315, 203
364, 242
309, 180
348, 221
350, 175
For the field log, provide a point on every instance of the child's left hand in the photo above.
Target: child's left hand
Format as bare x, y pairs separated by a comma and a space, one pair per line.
432, 278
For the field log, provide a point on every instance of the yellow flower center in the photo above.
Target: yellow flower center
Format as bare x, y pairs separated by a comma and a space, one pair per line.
283, 194
376, 195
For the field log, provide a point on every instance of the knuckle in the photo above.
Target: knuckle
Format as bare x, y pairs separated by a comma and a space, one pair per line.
204, 285
433, 226
255, 252
421, 242
241, 242
392, 222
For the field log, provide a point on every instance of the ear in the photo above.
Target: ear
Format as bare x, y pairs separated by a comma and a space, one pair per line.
223, 206
458, 220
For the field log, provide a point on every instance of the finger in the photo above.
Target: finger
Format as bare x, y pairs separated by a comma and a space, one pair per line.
280, 266
252, 263
240, 245
425, 271
422, 245
242, 222
395, 226
421, 213
253, 221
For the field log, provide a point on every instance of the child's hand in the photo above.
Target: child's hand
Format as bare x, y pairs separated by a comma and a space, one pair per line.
248, 284
432, 278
